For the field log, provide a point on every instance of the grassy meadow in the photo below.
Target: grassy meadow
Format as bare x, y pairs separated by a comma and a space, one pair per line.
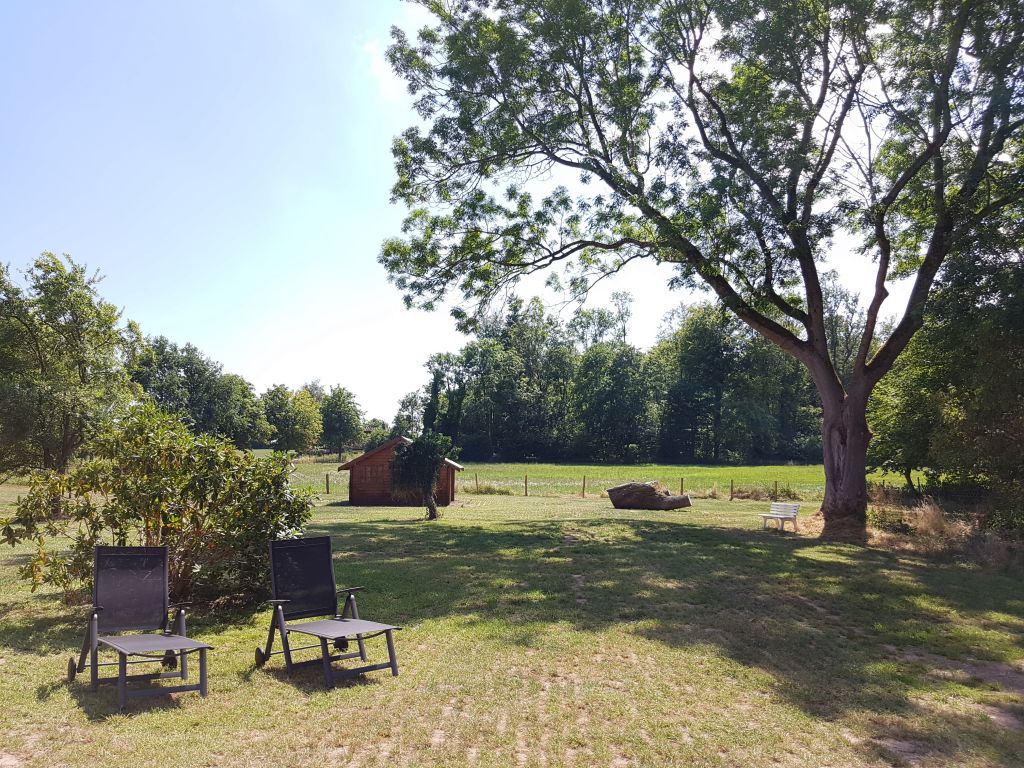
797, 481
556, 631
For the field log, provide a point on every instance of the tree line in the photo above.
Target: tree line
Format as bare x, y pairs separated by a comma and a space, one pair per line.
530, 386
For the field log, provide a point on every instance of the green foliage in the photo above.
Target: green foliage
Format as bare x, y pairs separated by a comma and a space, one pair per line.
182, 380
415, 468
375, 432
342, 419
63, 355
150, 481
294, 417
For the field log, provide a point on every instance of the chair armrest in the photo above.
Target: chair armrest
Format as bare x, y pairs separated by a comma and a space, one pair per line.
179, 606
349, 590
95, 609
276, 602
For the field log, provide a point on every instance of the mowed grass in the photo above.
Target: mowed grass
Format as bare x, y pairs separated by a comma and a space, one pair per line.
559, 632
803, 481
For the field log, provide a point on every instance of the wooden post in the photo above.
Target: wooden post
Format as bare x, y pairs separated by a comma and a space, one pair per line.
776, 496
526, 485
327, 482
681, 479
730, 490
476, 477
584, 494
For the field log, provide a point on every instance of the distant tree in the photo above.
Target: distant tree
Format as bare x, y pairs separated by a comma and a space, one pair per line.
184, 381
612, 395
63, 364
415, 469
316, 390
409, 418
592, 326
734, 140
343, 420
375, 432
623, 303
294, 418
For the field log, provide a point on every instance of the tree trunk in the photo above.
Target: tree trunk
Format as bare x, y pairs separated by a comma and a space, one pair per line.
431, 502
845, 438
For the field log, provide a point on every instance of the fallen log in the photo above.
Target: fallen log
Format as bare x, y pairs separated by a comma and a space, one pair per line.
652, 495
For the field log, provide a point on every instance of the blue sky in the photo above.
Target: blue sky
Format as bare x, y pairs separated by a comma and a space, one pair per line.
227, 167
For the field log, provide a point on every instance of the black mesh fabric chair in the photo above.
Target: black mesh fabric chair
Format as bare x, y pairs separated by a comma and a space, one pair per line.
130, 595
303, 585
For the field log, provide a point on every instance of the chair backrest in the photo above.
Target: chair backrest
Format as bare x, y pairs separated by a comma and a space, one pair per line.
130, 585
302, 572
785, 508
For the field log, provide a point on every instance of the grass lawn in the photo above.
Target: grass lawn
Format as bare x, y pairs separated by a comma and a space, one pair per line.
806, 481
556, 631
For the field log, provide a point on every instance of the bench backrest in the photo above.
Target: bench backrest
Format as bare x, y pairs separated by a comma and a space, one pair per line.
785, 508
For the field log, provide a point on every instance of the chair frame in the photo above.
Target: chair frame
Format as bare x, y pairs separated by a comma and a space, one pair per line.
279, 626
89, 655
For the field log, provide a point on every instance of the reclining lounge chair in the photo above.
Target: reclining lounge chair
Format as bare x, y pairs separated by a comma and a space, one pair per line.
303, 586
130, 593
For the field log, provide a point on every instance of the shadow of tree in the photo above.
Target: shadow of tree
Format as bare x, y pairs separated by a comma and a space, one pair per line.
826, 621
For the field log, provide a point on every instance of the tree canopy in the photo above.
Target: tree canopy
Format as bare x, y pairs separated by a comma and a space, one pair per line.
64, 353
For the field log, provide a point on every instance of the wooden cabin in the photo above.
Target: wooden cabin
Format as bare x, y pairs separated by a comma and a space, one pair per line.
369, 479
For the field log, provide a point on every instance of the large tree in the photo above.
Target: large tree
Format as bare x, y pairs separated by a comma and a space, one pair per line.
63, 363
739, 141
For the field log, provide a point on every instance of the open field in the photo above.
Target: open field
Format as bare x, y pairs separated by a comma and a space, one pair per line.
804, 481
556, 631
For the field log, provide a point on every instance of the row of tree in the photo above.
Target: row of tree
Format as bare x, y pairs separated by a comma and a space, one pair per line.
69, 365
530, 386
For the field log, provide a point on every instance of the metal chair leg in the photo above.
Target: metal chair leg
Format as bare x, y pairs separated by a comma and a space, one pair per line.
94, 653
202, 672
355, 615
122, 680
328, 672
391, 653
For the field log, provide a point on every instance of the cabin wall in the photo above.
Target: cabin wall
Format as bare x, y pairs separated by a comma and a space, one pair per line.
369, 483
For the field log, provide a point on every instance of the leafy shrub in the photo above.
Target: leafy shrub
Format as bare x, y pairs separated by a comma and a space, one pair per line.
151, 482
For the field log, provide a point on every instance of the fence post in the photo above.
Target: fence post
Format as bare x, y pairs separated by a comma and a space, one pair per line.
526, 485
584, 494
776, 497
681, 479
476, 476
327, 482
730, 490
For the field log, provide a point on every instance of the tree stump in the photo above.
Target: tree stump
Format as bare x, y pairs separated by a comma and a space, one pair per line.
652, 495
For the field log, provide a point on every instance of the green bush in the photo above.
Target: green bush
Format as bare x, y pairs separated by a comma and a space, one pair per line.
151, 482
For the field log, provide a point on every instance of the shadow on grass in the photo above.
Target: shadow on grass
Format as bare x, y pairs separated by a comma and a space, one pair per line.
826, 621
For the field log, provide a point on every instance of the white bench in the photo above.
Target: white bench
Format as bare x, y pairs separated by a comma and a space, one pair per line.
780, 513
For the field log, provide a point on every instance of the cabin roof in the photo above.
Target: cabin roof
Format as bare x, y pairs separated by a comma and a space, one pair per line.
389, 445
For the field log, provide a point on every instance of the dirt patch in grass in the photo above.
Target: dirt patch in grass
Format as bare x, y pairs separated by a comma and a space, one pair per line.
1004, 676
